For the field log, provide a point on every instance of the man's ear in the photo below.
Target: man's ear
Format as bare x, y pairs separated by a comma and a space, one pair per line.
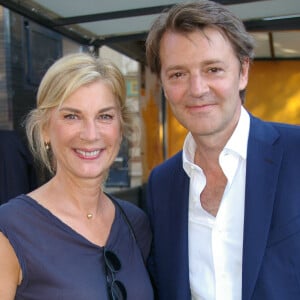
244, 73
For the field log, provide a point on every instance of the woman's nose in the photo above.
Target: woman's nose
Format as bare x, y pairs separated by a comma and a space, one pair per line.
89, 130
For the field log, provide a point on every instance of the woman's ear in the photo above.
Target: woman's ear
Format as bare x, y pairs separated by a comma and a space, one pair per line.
45, 135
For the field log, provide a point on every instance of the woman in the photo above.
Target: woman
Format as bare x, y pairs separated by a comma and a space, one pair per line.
68, 239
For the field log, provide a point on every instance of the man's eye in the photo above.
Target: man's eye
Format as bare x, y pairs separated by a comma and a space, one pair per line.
176, 75
214, 70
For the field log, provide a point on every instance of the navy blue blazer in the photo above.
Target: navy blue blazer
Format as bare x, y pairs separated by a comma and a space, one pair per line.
271, 249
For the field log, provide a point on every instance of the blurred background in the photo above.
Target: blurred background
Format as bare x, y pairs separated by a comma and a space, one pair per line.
35, 33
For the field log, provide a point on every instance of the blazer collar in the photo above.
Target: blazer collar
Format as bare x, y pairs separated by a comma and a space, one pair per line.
263, 164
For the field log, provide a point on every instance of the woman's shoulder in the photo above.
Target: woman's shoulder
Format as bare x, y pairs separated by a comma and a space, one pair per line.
139, 222
135, 214
16, 211
128, 206
13, 205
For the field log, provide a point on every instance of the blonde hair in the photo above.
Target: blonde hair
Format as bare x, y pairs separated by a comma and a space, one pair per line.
63, 78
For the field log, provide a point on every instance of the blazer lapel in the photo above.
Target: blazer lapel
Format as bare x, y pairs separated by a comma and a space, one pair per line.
263, 164
179, 215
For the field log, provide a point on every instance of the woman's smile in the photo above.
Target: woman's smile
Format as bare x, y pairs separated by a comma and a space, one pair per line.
88, 154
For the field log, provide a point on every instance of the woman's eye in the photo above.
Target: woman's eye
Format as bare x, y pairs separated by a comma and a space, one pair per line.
71, 117
106, 117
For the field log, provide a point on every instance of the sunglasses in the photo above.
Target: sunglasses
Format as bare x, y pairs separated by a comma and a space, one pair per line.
116, 289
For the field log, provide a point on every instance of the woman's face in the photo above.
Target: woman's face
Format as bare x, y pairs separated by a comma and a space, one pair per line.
85, 132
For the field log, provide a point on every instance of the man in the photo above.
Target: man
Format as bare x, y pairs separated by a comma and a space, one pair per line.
17, 171
225, 211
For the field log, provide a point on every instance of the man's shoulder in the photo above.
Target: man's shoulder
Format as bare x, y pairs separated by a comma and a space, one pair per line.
274, 131
289, 129
171, 162
165, 173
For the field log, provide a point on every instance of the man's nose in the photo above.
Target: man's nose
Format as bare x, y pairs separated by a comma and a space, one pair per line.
198, 85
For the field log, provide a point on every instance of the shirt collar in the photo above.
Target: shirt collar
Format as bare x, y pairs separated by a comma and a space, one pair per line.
188, 153
237, 143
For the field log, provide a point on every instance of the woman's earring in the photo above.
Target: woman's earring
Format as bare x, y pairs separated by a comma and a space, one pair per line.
47, 146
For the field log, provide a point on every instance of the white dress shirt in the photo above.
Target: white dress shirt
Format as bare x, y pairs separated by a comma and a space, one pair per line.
216, 243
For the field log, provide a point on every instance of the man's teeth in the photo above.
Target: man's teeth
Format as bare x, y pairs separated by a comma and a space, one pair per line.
88, 153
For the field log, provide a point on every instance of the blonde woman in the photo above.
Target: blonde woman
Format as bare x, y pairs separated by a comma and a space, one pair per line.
68, 239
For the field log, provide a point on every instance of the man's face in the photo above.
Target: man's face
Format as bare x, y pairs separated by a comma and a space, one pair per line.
201, 77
